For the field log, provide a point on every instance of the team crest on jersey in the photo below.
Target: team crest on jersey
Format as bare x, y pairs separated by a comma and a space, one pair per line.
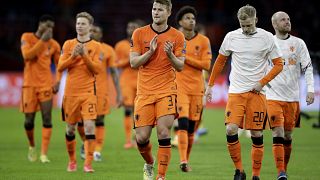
292, 48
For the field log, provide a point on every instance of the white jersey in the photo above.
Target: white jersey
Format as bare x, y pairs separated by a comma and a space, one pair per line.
285, 87
249, 55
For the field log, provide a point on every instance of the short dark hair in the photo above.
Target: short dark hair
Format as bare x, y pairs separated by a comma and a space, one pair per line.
46, 17
184, 10
165, 2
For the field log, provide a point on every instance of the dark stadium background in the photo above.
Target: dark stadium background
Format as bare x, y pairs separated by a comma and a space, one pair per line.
218, 16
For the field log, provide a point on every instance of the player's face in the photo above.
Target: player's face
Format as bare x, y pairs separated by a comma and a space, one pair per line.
248, 26
283, 23
160, 13
96, 33
131, 27
188, 22
83, 26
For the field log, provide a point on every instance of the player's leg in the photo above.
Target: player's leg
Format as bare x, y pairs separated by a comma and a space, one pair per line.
71, 115
234, 115
89, 115
100, 135
29, 107
80, 129
166, 112
127, 122
276, 121
292, 120
256, 117
71, 146
46, 108
144, 120
183, 105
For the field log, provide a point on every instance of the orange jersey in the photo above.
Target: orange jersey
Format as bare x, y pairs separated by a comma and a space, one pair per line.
37, 55
107, 58
122, 49
198, 57
157, 75
80, 80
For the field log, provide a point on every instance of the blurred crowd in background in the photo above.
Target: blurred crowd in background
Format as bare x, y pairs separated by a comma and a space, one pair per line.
217, 17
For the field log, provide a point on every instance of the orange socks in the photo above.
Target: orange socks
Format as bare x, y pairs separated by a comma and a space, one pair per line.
164, 156
235, 151
99, 138
278, 153
257, 155
46, 134
190, 143
128, 128
183, 145
71, 147
89, 149
287, 145
145, 151
81, 131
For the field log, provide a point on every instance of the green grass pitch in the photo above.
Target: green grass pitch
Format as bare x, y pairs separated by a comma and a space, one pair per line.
209, 159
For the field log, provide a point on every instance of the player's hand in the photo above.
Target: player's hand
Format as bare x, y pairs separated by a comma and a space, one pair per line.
153, 43
208, 93
310, 98
168, 46
47, 34
257, 88
76, 50
55, 88
119, 100
82, 49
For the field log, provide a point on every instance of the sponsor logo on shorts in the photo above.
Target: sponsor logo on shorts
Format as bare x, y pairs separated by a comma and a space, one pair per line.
228, 114
136, 117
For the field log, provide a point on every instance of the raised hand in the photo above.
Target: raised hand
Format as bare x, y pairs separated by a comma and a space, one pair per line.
168, 46
47, 34
153, 43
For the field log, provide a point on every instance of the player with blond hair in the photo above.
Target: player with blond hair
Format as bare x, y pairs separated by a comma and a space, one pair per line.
249, 47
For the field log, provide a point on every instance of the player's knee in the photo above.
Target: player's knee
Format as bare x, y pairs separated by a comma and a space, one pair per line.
191, 127
28, 125
127, 112
183, 123
232, 138
164, 142
46, 121
142, 140
89, 128
141, 144
278, 140
99, 123
163, 133
90, 137
277, 132
257, 140
288, 135
70, 137
231, 129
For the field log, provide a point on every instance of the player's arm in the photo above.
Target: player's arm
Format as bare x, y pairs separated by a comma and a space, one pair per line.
276, 69
56, 57
92, 63
136, 59
115, 77
199, 64
216, 70
177, 62
206, 56
67, 59
307, 70
30, 53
